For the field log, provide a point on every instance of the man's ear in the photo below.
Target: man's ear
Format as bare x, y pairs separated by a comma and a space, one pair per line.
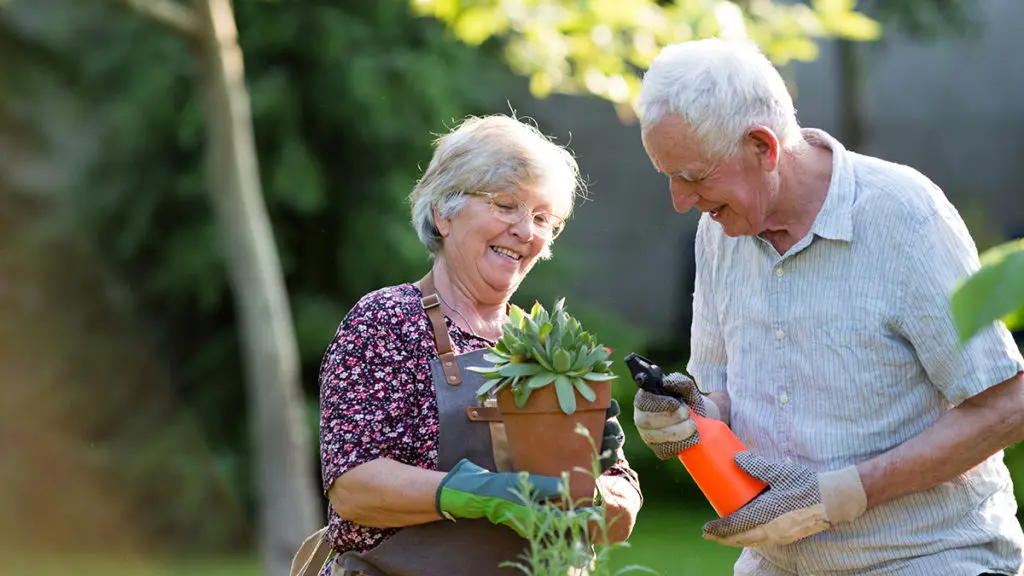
443, 225
765, 146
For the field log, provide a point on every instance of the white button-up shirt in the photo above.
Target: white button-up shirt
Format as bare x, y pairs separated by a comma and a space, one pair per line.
843, 348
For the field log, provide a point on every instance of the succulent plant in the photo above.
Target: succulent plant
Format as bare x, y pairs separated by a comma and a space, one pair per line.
541, 349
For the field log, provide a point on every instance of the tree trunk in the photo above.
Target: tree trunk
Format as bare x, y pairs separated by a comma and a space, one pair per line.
284, 464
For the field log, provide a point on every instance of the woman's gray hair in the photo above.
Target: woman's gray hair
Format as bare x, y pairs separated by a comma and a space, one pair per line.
721, 89
491, 153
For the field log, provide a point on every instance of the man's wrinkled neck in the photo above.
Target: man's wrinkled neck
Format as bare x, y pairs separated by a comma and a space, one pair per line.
805, 174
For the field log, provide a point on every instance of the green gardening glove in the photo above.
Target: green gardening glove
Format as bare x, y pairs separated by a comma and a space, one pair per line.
469, 491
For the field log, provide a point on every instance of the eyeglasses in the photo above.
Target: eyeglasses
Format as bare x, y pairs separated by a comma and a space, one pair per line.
510, 209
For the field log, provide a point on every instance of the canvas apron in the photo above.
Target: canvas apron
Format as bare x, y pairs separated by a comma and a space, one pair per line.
446, 548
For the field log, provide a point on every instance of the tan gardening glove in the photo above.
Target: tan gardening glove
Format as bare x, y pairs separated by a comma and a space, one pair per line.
798, 503
663, 420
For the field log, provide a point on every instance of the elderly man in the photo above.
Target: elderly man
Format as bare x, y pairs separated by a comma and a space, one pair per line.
822, 335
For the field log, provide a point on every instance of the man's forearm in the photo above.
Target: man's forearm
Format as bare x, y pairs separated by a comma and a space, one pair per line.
961, 439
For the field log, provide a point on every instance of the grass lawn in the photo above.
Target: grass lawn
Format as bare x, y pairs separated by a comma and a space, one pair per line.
666, 539
11, 565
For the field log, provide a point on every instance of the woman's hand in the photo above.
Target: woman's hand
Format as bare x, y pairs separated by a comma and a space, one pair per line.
469, 491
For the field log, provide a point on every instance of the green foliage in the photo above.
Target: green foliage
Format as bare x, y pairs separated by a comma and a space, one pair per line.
600, 47
994, 292
541, 349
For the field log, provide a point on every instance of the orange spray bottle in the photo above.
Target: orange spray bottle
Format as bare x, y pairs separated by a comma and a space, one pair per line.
710, 462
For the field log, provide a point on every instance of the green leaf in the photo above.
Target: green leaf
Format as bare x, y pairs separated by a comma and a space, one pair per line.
544, 330
566, 396
561, 361
599, 376
487, 387
579, 356
521, 397
1015, 321
515, 316
515, 370
596, 355
540, 380
486, 372
540, 356
568, 339
508, 341
558, 308
500, 348
496, 358
530, 326
995, 291
584, 389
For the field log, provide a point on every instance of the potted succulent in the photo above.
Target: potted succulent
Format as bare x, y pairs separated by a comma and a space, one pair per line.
548, 374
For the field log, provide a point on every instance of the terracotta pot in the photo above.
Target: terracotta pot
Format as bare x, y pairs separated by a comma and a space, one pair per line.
542, 439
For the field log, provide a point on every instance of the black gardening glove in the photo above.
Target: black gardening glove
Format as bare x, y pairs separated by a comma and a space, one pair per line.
611, 443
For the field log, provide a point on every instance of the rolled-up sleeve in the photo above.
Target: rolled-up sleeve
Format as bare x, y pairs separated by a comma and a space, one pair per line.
365, 380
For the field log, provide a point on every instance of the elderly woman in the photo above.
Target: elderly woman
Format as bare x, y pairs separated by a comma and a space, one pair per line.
414, 485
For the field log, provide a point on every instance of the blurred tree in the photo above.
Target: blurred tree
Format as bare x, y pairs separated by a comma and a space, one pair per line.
284, 463
343, 96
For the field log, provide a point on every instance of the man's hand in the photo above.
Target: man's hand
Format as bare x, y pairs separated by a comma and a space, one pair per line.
798, 503
664, 422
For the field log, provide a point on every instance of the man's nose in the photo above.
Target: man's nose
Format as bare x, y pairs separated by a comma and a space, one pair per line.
683, 199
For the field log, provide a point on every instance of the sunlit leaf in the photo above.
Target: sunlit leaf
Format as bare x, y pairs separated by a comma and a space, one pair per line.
994, 292
600, 47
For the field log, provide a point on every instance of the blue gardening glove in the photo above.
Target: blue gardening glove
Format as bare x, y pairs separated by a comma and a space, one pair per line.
663, 420
614, 437
798, 503
469, 491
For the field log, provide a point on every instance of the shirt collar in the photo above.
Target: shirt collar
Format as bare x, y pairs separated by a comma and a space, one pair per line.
835, 219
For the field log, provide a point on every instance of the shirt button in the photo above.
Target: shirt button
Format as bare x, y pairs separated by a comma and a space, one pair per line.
780, 335
779, 272
784, 399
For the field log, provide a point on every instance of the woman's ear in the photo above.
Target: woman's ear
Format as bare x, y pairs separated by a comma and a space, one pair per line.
443, 225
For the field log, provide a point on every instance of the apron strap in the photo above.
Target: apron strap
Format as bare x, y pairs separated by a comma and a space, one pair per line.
442, 340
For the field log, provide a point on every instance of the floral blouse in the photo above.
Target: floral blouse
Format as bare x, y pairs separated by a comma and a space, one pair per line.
377, 399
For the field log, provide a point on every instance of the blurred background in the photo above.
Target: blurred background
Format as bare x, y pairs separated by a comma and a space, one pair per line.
136, 375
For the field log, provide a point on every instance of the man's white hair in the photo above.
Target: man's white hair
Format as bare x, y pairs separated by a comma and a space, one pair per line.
494, 154
721, 89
